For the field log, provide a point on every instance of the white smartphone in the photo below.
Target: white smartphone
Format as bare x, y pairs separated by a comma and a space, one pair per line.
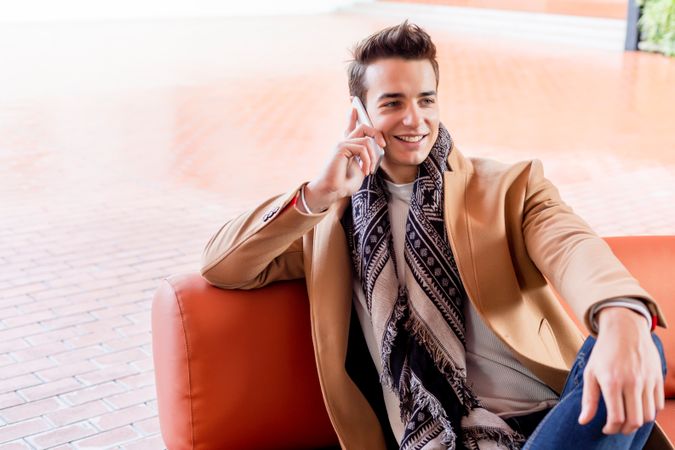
363, 118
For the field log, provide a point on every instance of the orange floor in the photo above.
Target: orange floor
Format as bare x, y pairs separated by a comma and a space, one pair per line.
123, 146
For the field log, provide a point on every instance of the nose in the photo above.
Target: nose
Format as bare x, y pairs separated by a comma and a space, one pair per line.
412, 116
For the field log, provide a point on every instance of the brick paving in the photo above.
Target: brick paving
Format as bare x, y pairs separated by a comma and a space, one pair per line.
123, 146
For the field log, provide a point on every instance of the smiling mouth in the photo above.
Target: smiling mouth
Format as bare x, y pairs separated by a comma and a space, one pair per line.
411, 138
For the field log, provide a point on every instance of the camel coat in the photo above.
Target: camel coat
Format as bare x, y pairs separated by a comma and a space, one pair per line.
512, 238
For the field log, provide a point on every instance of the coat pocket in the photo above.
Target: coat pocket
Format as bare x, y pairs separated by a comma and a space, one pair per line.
550, 343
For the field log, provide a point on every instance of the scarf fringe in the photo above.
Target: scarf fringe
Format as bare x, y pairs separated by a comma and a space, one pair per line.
509, 440
410, 391
456, 376
443, 363
398, 313
419, 397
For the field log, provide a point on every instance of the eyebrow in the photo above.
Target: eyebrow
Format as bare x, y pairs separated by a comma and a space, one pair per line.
399, 95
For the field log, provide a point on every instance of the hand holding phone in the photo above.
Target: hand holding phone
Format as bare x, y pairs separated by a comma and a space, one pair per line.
341, 178
363, 118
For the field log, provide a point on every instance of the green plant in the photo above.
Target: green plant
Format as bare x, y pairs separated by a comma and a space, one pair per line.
657, 26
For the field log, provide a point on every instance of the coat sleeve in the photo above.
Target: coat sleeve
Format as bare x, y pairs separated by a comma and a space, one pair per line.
260, 246
578, 263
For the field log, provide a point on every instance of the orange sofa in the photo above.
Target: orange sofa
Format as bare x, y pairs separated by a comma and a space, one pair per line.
235, 369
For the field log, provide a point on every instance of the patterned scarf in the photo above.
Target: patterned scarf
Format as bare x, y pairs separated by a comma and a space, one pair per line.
419, 323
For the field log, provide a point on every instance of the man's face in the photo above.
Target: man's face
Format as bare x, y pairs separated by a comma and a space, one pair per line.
401, 102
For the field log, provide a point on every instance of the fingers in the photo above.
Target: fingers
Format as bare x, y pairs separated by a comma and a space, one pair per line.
648, 405
632, 398
352, 122
626, 411
364, 130
368, 142
350, 150
590, 398
615, 407
659, 394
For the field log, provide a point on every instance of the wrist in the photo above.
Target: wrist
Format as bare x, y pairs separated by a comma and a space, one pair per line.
617, 315
315, 199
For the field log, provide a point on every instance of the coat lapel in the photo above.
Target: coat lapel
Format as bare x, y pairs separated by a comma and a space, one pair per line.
329, 283
456, 220
458, 224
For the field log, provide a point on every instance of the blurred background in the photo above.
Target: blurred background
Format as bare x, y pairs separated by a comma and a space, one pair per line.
130, 131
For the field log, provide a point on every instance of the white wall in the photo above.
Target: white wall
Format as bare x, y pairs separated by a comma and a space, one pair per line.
49, 10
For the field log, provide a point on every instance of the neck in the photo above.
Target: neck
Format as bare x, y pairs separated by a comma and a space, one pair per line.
400, 174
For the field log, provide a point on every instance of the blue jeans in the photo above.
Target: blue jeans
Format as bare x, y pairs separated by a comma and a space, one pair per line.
560, 429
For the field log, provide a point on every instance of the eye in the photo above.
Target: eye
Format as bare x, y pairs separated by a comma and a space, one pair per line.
428, 101
391, 104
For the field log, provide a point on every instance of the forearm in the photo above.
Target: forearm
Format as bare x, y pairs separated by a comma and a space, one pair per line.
258, 247
577, 262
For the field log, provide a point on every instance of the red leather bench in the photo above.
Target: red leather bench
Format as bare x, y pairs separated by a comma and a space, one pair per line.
235, 369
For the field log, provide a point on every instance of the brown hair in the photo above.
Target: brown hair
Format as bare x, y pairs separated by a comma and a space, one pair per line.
406, 40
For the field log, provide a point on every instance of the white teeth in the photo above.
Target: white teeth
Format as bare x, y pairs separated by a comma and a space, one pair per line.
410, 138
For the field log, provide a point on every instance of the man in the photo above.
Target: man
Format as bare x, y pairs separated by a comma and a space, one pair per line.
432, 274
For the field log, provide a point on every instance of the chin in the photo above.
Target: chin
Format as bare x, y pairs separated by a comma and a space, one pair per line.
399, 156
